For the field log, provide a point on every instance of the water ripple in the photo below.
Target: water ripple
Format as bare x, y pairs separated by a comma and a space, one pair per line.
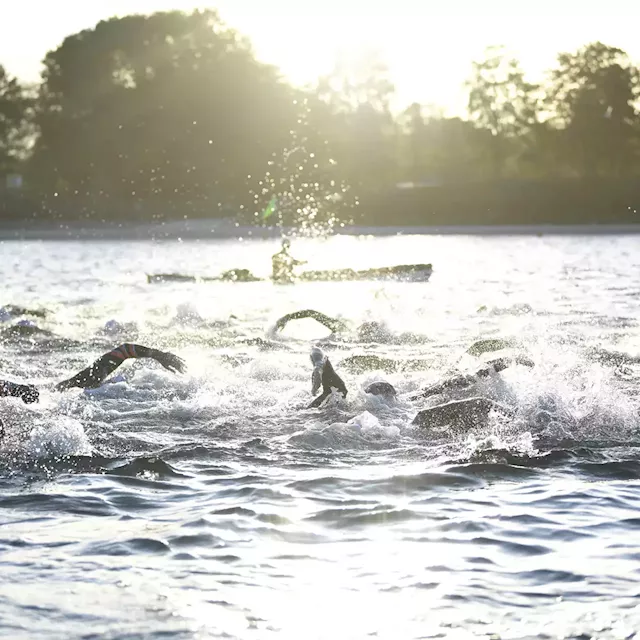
214, 504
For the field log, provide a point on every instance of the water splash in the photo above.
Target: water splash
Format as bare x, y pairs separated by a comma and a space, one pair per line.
302, 186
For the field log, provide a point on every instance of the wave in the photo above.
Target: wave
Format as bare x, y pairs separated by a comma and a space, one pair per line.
33, 434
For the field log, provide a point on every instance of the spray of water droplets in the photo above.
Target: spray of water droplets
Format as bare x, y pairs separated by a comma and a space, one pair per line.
308, 197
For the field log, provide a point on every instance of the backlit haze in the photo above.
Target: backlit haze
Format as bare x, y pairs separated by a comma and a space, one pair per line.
428, 46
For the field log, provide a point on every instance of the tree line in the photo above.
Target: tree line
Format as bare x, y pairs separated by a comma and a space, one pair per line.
171, 115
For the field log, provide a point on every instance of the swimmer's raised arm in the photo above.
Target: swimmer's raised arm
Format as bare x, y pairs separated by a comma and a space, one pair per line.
333, 324
456, 382
317, 360
319, 400
500, 364
95, 374
463, 381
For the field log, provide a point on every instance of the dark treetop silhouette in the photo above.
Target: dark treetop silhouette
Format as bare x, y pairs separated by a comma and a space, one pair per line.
171, 115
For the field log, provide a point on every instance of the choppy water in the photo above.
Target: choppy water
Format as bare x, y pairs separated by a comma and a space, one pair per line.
214, 505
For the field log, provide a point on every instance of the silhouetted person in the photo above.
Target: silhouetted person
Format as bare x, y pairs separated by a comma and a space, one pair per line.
324, 374
283, 263
94, 375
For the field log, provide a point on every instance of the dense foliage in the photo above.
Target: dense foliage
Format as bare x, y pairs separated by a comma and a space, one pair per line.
172, 115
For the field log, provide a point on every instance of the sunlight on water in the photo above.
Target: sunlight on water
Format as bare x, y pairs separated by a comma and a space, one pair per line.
215, 502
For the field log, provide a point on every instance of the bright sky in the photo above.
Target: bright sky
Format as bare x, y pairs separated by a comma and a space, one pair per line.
428, 45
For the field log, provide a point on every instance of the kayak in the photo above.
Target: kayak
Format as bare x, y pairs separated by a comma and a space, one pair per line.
402, 272
233, 275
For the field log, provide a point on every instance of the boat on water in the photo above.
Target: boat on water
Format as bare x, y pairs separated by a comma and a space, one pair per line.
401, 272
404, 272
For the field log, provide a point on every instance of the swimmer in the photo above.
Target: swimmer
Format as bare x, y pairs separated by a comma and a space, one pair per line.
459, 415
335, 325
94, 375
370, 331
283, 263
465, 381
325, 375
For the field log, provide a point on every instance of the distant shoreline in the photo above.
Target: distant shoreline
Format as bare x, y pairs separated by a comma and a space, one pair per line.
496, 207
217, 229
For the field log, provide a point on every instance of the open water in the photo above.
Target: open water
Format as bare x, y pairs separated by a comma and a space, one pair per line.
213, 504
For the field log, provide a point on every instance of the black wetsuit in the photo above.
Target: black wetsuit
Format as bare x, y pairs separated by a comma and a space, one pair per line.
330, 380
459, 415
465, 381
27, 392
95, 374
335, 325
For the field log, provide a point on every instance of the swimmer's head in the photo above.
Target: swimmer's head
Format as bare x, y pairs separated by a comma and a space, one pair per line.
373, 331
185, 311
286, 243
383, 389
112, 326
317, 356
542, 419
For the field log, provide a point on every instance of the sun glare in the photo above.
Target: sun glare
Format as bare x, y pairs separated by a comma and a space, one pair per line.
428, 47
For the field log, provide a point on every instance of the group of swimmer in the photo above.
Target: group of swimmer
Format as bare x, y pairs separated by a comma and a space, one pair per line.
455, 414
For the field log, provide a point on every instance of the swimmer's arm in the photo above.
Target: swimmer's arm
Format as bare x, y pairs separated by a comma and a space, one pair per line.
500, 364
319, 400
27, 392
5, 388
457, 382
96, 373
316, 379
333, 324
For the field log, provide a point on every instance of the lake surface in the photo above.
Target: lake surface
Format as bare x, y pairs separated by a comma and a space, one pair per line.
213, 504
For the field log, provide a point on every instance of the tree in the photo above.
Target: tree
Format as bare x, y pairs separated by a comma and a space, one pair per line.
361, 129
305, 182
437, 149
502, 102
14, 123
170, 108
412, 143
593, 96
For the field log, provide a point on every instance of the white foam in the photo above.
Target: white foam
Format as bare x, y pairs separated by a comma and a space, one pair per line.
360, 432
60, 436
40, 432
370, 426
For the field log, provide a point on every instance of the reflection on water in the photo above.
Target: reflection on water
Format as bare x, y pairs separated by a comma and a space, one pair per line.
213, 503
